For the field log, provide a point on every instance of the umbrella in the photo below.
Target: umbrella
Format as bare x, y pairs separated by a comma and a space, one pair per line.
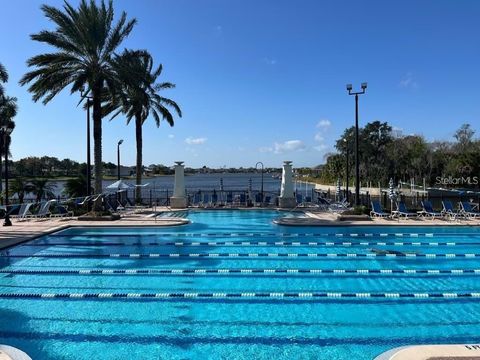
120, 185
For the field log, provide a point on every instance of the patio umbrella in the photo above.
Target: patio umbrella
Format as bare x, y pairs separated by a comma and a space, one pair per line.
120, 185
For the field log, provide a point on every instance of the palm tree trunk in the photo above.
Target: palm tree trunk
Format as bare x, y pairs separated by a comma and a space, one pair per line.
138, 136
97, 139
1, 174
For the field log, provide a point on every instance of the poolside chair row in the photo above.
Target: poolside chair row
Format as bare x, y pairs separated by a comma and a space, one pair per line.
228, 199
44, 209
465, 210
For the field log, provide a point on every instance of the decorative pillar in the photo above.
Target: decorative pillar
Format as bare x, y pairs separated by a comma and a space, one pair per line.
179, 200
287, 199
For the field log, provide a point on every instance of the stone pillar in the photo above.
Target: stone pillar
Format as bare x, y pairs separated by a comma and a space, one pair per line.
179, 199
287, 199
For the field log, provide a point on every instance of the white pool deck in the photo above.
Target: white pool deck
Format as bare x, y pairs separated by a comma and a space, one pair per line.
22, 231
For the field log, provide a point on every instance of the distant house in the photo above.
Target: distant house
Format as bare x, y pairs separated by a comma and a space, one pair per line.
124, 171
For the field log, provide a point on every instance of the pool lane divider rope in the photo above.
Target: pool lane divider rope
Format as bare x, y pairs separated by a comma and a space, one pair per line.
258, 243
237, 295
60, 234
243, 255
190, 272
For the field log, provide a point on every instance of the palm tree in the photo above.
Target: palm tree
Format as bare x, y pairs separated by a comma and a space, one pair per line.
42, 188
20, 187
8, 110
140, 97
85, 40
3, 78
76, 187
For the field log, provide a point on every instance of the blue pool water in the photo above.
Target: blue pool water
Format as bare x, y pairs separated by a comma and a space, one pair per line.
127, 262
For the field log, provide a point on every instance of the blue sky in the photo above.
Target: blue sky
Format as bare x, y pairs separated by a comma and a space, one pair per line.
265, 80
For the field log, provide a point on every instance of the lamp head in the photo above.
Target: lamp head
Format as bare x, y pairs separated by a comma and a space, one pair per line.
120, 142
364, 86
349, 87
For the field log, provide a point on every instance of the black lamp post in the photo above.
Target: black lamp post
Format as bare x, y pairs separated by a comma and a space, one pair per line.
347, 170
357, 165
261, 189
84, 95
5, 132
118, 158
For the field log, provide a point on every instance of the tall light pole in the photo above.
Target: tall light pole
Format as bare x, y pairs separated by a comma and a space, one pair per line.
261, 189
84, 95
118, 158
347, 170
5, 132
357, 165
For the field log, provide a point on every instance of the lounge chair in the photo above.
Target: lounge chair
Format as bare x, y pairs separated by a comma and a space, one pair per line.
43, 210
468, 211
377, 210
62, 212
429, 211
299, 199
22, 211
266, 200
197, 198
229, 199
258, 199
243, 199
402, 210
449, 211
214, 200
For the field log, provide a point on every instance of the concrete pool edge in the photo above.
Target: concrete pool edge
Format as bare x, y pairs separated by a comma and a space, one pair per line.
426, 352
26, 231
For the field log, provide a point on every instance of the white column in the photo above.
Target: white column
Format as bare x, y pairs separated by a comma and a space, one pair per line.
179, 199
287, 199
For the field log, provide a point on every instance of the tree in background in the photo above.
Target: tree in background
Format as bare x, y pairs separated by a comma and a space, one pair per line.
140, 97
85, 39
43, 189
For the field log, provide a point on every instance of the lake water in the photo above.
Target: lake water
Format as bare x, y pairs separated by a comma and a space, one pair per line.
210, 182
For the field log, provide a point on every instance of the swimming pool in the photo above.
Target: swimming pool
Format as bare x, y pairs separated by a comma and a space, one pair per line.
234, 285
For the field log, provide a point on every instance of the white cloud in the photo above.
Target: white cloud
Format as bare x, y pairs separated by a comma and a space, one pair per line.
269, 61
290, 145
195, 141
324, 124
287, 146
408, 81
171, 136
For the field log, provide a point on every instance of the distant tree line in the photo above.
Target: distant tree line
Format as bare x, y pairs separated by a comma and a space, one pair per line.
385, 154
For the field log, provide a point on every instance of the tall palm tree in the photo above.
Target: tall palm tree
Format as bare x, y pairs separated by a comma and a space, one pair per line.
3, 78
140, 97
8, 110
42, 188
21, 187
85, 40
